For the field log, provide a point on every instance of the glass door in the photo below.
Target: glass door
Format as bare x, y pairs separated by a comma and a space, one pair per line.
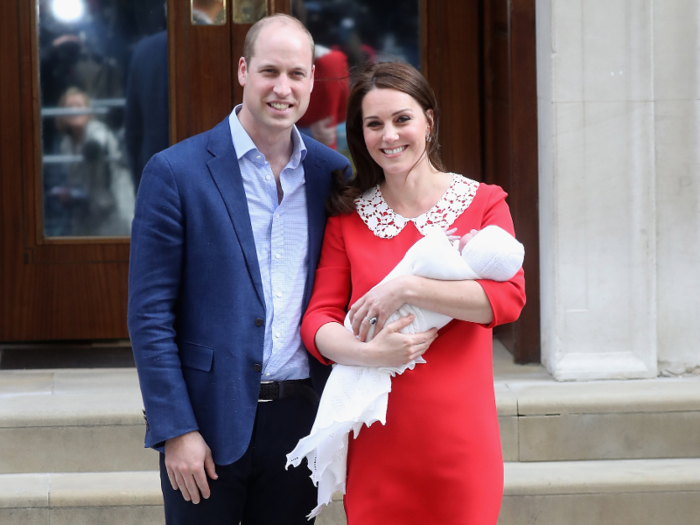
103, 93
90, 89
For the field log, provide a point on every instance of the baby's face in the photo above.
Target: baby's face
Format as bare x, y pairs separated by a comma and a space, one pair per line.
464, 240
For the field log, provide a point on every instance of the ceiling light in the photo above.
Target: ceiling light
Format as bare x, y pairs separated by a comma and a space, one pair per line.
68, 10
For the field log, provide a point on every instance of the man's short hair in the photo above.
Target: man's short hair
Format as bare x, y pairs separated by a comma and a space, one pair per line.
254, 32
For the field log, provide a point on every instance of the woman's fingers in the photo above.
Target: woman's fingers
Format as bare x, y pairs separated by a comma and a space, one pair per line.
392, 348
382, 318
357, 316
364, 329
422, 342
401, 323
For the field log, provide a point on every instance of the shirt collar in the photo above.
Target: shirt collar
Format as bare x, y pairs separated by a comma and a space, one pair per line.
244, 145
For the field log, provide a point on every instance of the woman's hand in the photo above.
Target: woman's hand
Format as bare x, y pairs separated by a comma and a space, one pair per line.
380, 302
388, 348
392, 348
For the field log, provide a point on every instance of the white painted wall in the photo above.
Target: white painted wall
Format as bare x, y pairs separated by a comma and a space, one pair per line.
677, 132
619, 149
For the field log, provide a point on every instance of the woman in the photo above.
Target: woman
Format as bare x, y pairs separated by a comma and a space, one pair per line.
438, 458
97, 189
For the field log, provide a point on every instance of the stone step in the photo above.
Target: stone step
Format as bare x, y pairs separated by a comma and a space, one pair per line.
72, 421
543, 420
91, 420
108, 498
619, 492
623, 492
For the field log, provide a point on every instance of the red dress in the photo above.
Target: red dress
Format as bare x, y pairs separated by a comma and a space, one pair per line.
438, 458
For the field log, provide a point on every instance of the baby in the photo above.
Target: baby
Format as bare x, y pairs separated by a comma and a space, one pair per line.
358, 395
491, 253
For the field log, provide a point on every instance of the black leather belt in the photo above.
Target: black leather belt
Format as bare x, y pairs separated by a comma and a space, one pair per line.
274, 390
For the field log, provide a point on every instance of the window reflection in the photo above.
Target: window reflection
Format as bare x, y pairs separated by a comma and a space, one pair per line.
249, 11
347, 33
95, 131
208, 12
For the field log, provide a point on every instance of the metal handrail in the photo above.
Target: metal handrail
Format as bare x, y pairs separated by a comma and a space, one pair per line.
99, 107
68, 158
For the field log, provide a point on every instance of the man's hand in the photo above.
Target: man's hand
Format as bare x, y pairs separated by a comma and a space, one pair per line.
324, 131
188, 460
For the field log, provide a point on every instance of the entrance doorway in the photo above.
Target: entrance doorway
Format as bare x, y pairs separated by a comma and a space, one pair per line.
63, 268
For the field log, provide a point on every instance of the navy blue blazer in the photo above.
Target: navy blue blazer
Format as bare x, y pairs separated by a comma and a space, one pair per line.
195, 291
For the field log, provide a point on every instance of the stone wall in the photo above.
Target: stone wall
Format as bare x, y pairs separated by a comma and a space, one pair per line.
619, 187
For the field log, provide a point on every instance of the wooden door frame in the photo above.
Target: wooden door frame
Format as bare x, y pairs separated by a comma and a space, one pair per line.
458, 77
191, 62
45, 281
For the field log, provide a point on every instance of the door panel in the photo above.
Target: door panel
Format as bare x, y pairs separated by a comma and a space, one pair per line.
64, 273
201, 71
451, 63
510, 153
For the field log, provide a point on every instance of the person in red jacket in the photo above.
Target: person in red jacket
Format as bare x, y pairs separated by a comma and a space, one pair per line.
329, 98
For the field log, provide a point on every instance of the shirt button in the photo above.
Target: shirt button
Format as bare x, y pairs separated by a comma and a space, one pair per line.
277, 335
277, 256
258, 322
257, 156
257, 367
279, 294
277, 216
267, 178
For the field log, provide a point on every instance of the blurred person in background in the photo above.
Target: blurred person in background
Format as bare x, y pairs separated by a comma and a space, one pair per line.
146, 117
331, 79
95, 193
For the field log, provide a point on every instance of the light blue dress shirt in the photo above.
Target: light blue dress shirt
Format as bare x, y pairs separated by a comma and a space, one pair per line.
282, 244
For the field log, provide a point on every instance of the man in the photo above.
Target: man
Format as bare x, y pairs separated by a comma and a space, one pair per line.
225, 241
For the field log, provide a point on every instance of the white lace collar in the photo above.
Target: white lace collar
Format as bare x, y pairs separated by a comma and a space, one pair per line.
386, 223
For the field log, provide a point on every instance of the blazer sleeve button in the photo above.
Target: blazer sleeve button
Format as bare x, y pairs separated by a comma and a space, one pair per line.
259, 322
257, 367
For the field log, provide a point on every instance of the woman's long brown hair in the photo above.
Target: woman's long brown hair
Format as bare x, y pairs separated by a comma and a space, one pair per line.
383, 75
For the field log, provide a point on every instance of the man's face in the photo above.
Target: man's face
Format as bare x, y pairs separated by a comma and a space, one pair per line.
278, 80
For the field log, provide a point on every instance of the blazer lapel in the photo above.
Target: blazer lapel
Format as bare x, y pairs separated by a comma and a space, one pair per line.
226, 173
316, 191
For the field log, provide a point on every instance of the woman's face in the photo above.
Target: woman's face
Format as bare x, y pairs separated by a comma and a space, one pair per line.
76, 101
395, 129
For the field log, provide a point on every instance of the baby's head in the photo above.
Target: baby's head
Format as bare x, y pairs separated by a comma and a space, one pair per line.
492, 253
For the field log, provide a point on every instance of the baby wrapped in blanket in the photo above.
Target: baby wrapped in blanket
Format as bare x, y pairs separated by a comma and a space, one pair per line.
358, 395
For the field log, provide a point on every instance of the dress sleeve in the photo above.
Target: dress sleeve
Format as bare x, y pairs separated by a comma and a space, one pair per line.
507, 298
332, 286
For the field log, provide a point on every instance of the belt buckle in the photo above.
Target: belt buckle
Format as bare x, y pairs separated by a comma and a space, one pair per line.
265, 383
